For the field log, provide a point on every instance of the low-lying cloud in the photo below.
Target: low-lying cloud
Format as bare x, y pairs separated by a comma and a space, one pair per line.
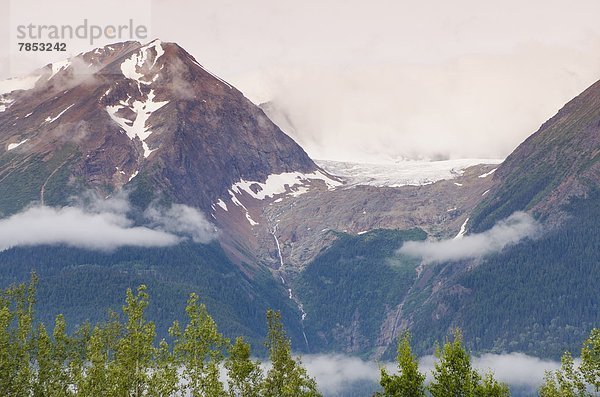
335, 373
338, 373
78, 73
516, 369
104, 225
507, 232
182, 220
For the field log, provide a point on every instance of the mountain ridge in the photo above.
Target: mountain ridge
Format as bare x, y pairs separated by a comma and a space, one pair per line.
556, 163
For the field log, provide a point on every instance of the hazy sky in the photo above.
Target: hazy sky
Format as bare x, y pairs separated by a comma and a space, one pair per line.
381, 79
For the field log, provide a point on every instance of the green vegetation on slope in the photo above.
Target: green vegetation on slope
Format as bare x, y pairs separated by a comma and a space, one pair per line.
83, 285
21, 183
347, 289
541, 295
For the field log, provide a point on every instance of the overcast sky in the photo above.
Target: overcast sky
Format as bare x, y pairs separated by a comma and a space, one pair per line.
381, 79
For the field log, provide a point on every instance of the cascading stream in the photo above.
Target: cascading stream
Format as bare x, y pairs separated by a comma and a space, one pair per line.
289, 289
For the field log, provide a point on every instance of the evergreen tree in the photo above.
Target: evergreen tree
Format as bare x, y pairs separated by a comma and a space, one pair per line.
287, 377
410, 382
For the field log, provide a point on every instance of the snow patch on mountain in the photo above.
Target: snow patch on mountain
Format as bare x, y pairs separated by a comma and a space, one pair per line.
4, 104
250, 220
50, 119
291, 184
222, 204
294, 183
12, 146
487, 173
137, 128
237, 202
131, 65
401, 173
58, 66
463, 230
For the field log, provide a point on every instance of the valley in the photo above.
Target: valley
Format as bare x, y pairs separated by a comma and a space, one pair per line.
250, 222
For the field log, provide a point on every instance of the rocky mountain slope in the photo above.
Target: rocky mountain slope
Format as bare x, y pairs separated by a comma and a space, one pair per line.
558, 162
151, 120
145, 118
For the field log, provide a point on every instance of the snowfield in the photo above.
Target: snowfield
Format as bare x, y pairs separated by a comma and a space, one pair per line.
401, 173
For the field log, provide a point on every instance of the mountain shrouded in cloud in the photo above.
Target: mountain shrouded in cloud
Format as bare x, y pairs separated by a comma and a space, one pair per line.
150, 110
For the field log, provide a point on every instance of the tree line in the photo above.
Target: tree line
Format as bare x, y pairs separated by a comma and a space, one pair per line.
454, 376
120, 357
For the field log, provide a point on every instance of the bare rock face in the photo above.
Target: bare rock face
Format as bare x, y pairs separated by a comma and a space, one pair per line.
304, 223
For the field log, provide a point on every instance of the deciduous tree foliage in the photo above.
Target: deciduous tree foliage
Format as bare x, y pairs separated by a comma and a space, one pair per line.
198, 350
453, 375
121, 358
572, 381
287, 377
245, 375
409, 381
